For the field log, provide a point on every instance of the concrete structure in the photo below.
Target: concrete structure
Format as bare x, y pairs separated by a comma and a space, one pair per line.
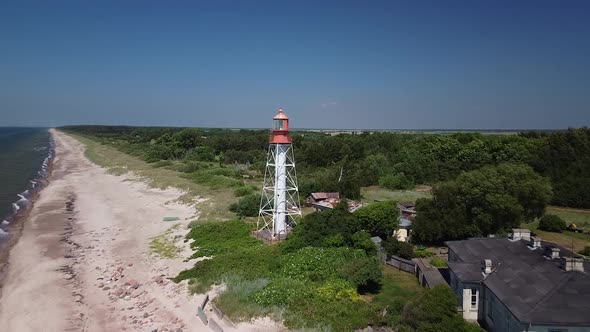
279, 205
519, 284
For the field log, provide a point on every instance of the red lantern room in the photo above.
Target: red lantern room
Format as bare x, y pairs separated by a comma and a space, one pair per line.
280, 130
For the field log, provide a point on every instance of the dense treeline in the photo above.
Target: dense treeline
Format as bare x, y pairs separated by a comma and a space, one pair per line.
490, 200
347, 162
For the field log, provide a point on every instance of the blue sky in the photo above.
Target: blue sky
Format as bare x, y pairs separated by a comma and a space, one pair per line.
329, 64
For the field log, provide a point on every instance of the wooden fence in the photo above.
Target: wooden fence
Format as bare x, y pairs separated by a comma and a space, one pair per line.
402, 264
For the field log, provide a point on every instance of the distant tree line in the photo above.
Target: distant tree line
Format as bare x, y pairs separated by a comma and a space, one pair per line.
347, 162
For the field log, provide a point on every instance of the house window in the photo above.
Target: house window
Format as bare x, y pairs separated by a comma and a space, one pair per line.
473, 298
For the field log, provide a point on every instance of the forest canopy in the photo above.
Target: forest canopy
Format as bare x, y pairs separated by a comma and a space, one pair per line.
347, 162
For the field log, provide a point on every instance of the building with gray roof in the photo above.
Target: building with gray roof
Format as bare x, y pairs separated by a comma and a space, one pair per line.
520, 283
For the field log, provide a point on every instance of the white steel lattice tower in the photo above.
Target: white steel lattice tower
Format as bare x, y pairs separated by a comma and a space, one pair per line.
279, 204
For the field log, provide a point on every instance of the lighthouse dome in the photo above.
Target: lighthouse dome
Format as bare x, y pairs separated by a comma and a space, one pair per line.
280, 115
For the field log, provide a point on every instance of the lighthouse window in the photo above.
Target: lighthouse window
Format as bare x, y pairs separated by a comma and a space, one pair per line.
278, 124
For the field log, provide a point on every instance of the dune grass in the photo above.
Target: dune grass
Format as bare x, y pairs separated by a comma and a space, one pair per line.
163, 244
159, 175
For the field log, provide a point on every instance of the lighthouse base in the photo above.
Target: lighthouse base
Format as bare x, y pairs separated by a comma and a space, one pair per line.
266, 235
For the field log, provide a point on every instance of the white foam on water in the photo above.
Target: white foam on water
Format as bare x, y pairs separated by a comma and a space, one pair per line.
5, 222
3, 232
22, 198
15, 207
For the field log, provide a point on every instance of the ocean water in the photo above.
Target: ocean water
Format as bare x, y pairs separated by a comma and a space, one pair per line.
24, 156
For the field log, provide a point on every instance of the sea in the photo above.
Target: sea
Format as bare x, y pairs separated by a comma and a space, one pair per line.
25, 158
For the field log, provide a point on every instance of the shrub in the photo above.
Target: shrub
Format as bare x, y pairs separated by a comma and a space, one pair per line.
201, 153
162, 163
214, 238
423, 253
552, 223
244, 191
393, 247
585, 251
336, 290
362, 240
247, 206
236, 299
248, 263
282, 292
364, 273
431, 306
189, 167
320, 315
317, 264
396, 181
438, 262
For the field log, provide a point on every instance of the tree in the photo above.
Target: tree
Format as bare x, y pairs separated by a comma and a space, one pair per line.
379, 219
552, 223
396, 181
334, 227
565, 158
393, 247
481, 202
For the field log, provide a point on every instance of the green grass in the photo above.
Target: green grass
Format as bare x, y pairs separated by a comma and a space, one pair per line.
376, 193
235, 300
576, 216
159, 175
566, 238
438, 262
397, 289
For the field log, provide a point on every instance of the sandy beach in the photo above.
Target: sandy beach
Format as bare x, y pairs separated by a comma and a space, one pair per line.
83, 261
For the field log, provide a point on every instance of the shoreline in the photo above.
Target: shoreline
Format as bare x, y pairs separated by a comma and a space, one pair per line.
19, 218
85, 260
82, 260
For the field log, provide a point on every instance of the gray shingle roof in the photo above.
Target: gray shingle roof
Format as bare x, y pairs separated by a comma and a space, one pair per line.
533, 287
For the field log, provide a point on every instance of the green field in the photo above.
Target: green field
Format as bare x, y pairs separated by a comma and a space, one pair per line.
376, 193
566, 239
577, 216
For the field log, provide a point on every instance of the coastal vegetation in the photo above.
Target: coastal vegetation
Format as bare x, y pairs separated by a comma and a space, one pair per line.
332, 280
326, 274
348, 162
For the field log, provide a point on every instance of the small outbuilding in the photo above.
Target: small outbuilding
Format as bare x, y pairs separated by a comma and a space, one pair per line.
402, 233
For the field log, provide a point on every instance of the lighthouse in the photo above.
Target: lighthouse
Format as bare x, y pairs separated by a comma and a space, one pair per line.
279, 203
